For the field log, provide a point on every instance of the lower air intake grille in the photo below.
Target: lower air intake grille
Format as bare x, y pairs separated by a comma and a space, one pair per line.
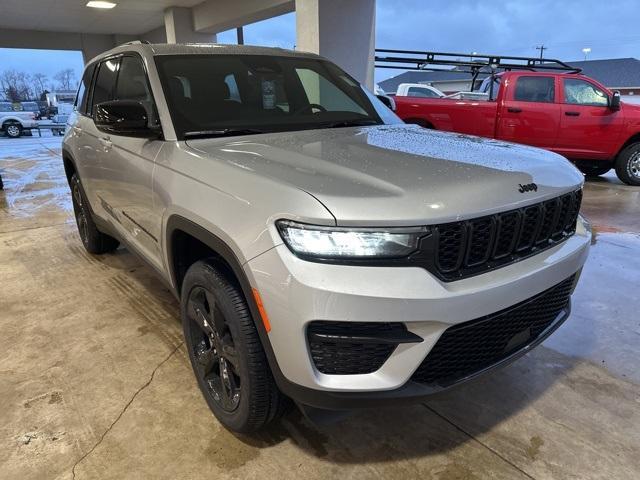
470, 347
350, 348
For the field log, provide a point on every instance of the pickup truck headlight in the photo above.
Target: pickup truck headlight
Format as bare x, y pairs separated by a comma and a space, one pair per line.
349, 243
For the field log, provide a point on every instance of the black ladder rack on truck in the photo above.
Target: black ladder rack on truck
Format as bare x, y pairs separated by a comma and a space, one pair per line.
473, 63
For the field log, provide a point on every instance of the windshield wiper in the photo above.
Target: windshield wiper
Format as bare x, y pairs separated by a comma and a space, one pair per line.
222, 132
349, 123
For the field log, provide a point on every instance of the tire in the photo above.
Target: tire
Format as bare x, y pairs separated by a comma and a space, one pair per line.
594, 170
12, 129
94, 240
628, 165
237, 385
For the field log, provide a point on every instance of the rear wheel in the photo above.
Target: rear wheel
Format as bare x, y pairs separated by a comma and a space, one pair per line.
13, 130
225, 351
593, 170
94, 240
628, 165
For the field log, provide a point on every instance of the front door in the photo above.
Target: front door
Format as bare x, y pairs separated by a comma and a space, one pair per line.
589, 129
123, 183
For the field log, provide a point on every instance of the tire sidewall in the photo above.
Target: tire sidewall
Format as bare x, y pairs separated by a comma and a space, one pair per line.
17, 126
203, 275
623, 165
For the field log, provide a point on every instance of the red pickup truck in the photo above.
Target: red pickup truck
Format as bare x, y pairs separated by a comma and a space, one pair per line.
568, 113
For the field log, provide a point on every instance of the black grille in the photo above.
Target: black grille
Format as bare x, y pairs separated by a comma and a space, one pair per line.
470, 347
474, 246
349, 348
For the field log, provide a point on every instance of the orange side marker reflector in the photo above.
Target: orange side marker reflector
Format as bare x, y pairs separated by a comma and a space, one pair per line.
263, 312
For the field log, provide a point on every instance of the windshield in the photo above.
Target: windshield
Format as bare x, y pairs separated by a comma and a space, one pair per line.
212, 95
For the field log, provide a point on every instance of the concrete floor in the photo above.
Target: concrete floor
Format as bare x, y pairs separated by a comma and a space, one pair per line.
95, 382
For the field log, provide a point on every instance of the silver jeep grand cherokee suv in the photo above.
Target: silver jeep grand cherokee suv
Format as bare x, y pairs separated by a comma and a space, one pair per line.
321, 249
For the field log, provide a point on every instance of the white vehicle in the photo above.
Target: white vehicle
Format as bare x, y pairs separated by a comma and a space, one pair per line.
321, 249
469, 96
13, 123
418, 90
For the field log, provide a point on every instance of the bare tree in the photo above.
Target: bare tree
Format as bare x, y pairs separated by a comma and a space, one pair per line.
39, 82
66, 79
15, 85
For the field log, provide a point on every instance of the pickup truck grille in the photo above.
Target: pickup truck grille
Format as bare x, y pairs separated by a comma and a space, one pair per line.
470, 247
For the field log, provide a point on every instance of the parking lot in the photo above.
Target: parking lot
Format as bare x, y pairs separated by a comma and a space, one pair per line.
96, 383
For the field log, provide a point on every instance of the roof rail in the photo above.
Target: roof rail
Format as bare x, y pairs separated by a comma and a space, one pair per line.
136, 42
465, 63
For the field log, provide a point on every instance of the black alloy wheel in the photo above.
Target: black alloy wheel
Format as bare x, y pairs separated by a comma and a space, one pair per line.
213, 349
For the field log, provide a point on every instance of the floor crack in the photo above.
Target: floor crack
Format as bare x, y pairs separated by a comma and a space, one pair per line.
126, 407
472, 437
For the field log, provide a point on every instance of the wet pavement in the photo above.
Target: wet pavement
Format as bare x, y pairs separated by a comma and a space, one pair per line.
94, 382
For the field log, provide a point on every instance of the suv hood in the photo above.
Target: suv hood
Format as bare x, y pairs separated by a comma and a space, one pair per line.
400, 174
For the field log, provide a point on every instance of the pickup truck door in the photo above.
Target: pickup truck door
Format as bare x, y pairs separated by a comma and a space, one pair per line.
529, 112
589, 129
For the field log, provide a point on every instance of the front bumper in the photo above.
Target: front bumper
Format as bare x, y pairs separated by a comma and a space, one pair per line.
296, 292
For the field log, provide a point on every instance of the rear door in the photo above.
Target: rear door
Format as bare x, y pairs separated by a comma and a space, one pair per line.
589, 129
530, 112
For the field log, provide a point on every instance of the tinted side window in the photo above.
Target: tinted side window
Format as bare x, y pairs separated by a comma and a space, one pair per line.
579, 92
132, 81
83, 90
535, 89
105, 82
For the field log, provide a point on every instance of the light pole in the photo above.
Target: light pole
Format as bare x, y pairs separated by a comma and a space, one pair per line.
586, 51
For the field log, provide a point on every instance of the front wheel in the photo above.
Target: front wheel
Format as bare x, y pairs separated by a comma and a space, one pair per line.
628, 165
13, 130
225, 351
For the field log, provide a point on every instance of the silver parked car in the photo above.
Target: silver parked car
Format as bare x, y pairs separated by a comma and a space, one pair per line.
321, 249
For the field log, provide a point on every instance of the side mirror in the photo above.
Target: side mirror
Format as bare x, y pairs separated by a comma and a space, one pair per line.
124, 117
388, 101
614, 102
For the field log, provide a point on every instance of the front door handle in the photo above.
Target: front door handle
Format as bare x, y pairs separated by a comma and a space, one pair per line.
514, 110
572, 114
106, 143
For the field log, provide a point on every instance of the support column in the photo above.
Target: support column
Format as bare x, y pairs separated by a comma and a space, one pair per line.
342, 31
178, 23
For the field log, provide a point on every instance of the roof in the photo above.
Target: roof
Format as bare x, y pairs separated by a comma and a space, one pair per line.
614, 73
201, 49
224, 49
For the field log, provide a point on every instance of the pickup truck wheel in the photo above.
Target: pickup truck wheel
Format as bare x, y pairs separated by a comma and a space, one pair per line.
13, 130
594, 170
94, 240
628, 165
225, 351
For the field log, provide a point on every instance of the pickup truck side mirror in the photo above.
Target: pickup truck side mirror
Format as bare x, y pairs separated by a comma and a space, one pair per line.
124, 117
614, 101
388, 101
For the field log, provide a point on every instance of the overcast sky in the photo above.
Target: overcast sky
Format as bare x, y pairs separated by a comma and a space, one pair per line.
516, 27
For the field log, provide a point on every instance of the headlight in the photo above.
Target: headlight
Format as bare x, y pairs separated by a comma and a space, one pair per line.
349, 243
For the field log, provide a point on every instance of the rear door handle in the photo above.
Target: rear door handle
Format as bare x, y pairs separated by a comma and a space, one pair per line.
514, 109
572, 114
